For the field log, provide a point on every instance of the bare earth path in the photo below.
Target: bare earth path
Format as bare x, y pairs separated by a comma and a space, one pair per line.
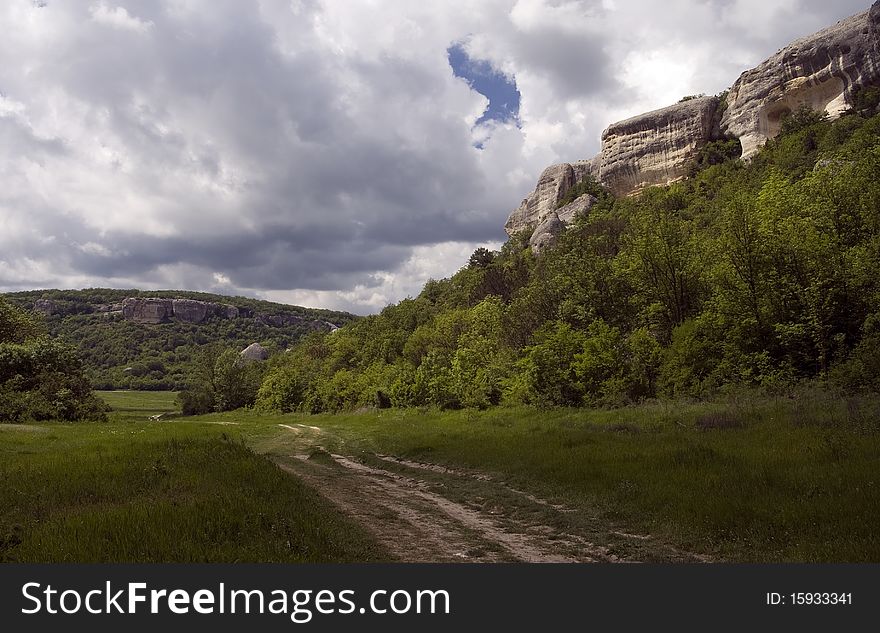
430, 513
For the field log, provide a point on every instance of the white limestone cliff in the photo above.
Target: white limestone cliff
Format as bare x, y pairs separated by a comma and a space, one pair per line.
821, 71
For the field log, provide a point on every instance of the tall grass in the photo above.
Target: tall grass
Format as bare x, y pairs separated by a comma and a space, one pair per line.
746, 478
119, 494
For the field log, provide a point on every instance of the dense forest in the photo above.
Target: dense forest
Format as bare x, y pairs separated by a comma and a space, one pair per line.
760, 275
123, 354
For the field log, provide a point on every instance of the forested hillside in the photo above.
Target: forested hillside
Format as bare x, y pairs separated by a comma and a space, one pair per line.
119, 353
759, 274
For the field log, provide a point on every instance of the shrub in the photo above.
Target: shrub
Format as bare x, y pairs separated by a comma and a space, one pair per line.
801, 118
588, 185
549, 367
196, 401
40, 378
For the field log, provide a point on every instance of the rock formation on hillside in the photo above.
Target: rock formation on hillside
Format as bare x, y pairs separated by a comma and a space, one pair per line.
546, 232
655, 147
555, 181
147, 310
46, 306
580, 206
195, 311
552, 185
155, 310
821, 71
253, 353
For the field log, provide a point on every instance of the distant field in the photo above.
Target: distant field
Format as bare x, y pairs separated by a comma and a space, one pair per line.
139, 405
137, 491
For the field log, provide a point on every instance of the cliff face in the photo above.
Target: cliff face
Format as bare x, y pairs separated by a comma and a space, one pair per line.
821, 71
151, 310
552, 185
655, 148
154, 310
649, 149
147, 310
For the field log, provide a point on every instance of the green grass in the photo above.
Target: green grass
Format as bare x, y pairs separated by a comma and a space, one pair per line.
749, 479
742, 479
159, 491
137, 406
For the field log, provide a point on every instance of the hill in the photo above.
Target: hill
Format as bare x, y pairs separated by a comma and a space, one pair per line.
133, 339
828, 71
758, 273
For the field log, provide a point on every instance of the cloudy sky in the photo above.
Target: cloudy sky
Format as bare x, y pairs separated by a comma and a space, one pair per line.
329, 153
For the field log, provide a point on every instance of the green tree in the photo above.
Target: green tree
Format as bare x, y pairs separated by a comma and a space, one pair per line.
40, 378
549, 367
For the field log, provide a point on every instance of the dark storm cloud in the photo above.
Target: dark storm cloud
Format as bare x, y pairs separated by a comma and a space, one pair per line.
574, 64
330, 187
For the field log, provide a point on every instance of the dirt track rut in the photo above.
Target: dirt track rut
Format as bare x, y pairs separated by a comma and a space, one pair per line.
424, 512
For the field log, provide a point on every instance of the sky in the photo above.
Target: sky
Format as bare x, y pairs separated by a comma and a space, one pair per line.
326, 153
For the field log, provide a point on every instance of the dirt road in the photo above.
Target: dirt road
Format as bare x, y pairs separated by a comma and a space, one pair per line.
431, 513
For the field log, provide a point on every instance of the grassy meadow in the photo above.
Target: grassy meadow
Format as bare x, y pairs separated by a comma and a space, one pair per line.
753, 480
133, 490
138, 406
746, 478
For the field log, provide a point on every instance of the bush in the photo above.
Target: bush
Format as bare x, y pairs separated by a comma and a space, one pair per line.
40, 378
801, 118
860, 372
549, 367
588, 185
715, 153
692, 360
866, 101
196, 401
285, 388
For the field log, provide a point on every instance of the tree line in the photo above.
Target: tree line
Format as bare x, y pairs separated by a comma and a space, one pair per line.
758, 274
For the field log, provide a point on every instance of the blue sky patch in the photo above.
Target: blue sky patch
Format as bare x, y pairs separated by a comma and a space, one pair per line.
500, 90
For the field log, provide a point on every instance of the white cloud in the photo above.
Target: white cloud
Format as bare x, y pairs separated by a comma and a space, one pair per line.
93, 248
118, 18
321, 151
385, 287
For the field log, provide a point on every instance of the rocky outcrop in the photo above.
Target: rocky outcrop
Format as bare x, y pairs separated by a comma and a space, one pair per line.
46, 307
283, 320
649, 149
151, 311
193, 311
820, 71
580, 206
546, 233
552, 185
656, 147
552, 224
233, 312
253, 353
